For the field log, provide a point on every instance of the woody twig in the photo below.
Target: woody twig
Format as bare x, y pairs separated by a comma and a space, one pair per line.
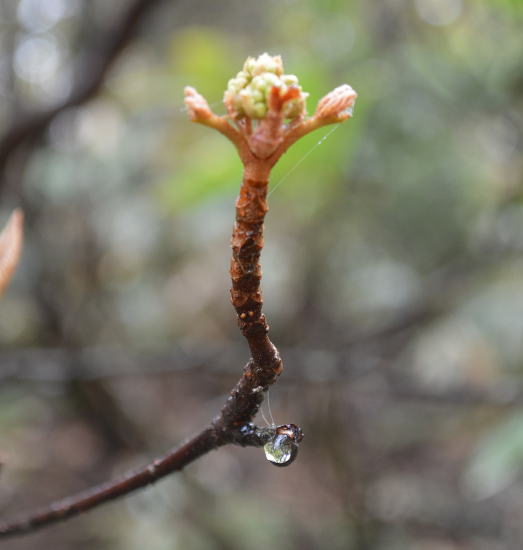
265, 116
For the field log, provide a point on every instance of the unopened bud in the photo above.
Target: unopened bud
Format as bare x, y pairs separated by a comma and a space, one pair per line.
248, 94
196, 105
337, 104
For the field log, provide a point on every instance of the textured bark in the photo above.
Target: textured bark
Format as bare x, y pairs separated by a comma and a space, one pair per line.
246, 272
265, 364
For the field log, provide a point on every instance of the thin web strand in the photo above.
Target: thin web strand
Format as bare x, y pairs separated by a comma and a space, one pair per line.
313, 148
269, 407
263, 416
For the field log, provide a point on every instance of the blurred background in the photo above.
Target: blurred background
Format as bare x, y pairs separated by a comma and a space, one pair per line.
393, 273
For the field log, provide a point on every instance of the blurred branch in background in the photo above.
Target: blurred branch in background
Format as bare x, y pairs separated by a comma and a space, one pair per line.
98, 54
47, 369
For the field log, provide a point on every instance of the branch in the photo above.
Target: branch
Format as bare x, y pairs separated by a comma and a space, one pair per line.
81, 502
259, 149
91, 75
287, 437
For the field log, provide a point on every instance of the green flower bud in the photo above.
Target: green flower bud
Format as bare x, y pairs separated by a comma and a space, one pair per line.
258, 96
267, 64
249, 65
259, 110
295, 107
247, 94
290, 80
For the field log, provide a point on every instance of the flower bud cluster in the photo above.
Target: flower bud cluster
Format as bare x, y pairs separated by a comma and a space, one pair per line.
247, 94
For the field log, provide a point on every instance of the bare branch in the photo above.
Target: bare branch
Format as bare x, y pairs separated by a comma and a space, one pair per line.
81, 502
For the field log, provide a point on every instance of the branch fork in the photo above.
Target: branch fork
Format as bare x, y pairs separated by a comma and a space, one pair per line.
262, 141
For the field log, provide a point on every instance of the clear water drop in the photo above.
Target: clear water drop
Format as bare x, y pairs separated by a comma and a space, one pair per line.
281, 449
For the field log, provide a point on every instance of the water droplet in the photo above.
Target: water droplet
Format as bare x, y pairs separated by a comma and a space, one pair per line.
282, 448
279, 451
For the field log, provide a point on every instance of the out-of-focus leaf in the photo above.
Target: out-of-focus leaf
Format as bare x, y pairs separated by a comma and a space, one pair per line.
202, 57
217, 169
10, 247
498, 459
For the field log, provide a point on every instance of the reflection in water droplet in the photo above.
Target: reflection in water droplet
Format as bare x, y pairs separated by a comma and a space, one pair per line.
279, 450
282, 448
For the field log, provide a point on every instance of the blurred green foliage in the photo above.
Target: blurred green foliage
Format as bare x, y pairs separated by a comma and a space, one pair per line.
393, 261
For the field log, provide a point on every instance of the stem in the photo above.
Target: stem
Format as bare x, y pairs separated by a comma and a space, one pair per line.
265, 364
246, 273
232, 425
77, 504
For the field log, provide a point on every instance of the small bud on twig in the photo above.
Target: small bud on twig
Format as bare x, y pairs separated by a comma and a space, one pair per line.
337, 105
266, 110
197, 105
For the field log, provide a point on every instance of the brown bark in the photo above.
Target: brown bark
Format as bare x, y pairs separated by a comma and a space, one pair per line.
81, 502
246, 272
